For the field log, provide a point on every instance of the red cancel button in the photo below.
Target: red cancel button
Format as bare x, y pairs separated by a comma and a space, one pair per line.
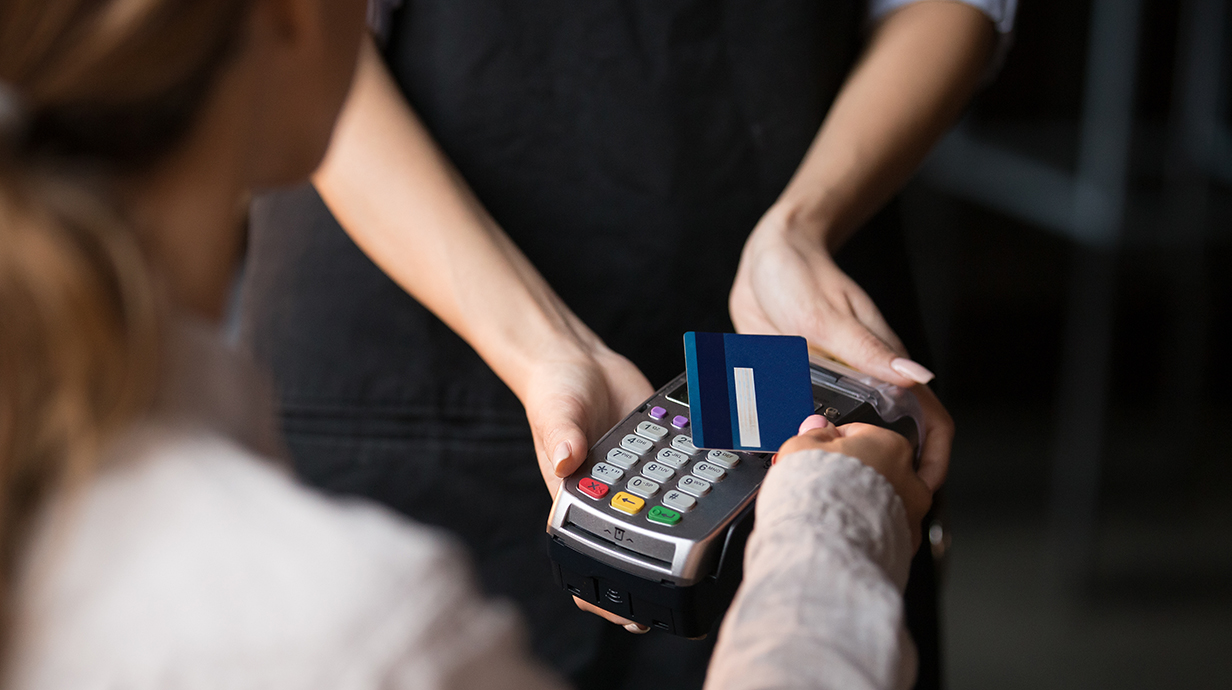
592, 488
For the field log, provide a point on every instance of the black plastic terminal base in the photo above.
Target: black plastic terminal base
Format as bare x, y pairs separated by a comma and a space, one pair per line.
686, 611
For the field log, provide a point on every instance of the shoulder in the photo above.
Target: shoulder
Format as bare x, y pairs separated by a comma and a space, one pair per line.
191, 554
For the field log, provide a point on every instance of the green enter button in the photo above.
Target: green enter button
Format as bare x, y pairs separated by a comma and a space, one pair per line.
665, 516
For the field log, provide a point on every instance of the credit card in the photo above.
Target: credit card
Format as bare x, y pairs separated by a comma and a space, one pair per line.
747, 392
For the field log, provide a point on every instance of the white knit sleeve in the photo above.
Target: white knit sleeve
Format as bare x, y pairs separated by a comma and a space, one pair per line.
821, 602
1001, 12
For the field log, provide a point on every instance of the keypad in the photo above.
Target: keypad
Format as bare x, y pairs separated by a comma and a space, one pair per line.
641, 486
658, 472
709, 472
684, 444
723, 458
621, 458
652, 431
637, 444
679, 501
645, 489
607, 473
694, 486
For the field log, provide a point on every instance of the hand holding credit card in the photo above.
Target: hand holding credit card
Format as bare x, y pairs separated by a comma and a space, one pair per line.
747, 392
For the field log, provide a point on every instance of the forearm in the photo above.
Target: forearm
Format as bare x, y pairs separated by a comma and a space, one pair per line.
821, 604
400, 199
920, 67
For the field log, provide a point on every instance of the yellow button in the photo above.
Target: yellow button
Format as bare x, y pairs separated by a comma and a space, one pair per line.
627, 503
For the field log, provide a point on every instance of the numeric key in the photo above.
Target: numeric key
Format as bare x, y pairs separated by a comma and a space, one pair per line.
723, 458
684, 444
672, 458
641, 486
621, 458
709, 472
658, 472
652, 431
636, 444
694, 486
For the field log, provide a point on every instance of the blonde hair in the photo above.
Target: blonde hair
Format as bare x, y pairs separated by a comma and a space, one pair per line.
100, 87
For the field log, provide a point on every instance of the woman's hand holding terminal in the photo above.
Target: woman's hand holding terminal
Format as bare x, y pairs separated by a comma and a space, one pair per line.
788, 283
903, 94
571, 401
433, 237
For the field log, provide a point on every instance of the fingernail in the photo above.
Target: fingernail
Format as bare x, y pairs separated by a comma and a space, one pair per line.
813, 421
637, 629
563, 451
912, 370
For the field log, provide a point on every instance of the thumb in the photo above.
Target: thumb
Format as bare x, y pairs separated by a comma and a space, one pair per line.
560, 426
813, 421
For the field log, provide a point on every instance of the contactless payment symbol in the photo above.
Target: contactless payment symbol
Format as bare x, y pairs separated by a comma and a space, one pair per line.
747, 392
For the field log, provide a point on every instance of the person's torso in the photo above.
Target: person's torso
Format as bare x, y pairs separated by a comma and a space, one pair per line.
627, 147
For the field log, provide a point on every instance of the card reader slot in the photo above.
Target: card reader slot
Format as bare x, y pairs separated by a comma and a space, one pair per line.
842, 388
621, 535
596, 541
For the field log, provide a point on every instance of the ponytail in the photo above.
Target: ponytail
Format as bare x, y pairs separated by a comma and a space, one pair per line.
78, 344
88, 89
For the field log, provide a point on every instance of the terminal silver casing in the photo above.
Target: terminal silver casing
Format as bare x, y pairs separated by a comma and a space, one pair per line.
679, 554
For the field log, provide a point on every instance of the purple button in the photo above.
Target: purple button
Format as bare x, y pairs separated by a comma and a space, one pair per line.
680, 422
657, 412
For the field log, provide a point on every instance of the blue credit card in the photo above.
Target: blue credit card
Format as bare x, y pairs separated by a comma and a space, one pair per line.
747, 392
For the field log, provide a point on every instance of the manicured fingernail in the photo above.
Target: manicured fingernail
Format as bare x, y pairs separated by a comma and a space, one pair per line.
813, 421
912, 370
563, 451
637, 629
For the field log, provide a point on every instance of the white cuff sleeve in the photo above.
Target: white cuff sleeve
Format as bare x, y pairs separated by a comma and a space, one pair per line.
821, 603
1001, 12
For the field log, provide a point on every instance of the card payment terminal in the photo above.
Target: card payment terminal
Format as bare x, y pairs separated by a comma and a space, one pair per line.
653, 529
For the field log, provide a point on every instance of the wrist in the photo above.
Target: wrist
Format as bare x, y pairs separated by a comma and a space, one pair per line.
548, 340
837, 497
801, 220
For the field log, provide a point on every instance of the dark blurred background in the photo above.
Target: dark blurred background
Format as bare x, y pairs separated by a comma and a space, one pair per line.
1071, 238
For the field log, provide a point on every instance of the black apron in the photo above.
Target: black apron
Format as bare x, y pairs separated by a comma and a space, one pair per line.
628, 148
